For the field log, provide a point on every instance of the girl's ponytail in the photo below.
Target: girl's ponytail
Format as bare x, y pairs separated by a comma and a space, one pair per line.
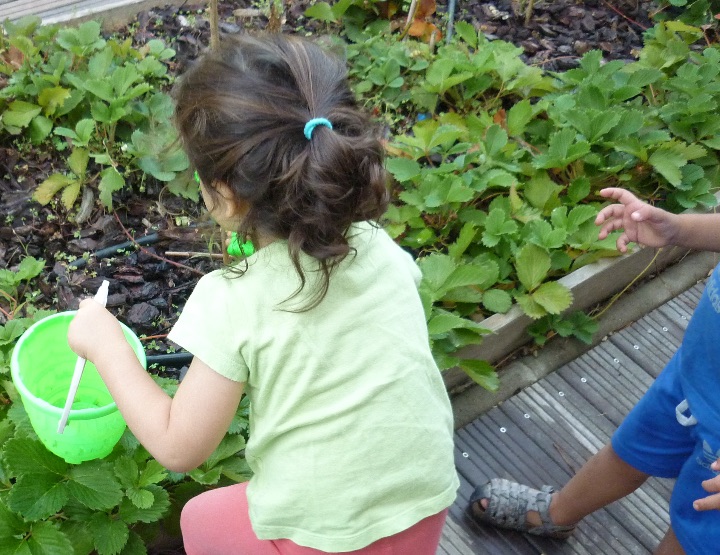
243, 113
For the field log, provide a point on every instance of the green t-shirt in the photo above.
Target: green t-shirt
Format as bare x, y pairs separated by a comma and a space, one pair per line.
351, 432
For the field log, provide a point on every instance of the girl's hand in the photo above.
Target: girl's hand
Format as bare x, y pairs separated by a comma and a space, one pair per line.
641, 223
93, 329
713, 486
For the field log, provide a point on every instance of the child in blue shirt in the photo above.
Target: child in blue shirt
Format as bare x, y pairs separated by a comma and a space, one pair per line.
673, 431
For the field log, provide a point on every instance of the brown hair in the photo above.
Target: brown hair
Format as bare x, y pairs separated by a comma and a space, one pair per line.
241, 111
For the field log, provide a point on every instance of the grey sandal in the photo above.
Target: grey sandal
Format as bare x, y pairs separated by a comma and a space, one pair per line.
508, 504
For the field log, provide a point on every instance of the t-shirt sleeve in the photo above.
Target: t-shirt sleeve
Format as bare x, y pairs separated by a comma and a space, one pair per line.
205, 328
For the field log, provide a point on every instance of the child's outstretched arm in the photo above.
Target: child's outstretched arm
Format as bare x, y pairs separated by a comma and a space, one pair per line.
713, 486
653, 227
180, 432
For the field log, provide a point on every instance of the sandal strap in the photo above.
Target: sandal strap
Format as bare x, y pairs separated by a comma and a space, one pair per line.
509, 503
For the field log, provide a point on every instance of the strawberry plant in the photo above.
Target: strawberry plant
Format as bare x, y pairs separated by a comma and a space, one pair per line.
77, 92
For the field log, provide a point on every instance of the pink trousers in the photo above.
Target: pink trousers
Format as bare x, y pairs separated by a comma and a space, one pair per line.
217, 523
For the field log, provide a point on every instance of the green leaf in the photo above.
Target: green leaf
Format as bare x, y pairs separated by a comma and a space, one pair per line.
25, 456
553, 297
20, 113
141, 498
497, 225
482, 373
131, 514
530, 307
78, 162
49, 188
94, 485
153, 473
495, 139
70, 194
85, 129
403, 169
668, 164
443, 322
53, 98
46, 539
532, 264
29, 268
38, 496
497, 300
110, 534
40, 128
110, 181
518, 117
464, 240
322, 11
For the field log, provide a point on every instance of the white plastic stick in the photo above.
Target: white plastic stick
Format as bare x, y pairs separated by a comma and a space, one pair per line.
101, 298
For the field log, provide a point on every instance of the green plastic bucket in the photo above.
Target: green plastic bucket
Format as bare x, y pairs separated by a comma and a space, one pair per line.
42, 366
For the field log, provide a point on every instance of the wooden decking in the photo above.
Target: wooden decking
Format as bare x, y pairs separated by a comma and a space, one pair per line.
546, 432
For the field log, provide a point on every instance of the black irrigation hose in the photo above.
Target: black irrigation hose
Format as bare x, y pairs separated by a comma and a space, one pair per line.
173, 360
111, 251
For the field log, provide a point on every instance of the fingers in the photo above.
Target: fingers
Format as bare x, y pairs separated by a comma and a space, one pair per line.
712, 486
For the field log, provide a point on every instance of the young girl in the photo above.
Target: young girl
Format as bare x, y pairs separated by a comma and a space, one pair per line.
673, 431
350, 427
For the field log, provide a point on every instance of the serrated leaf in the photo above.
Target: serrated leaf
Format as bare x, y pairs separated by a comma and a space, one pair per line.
532, 264
78, 161
49, 188
153, 473
229, 447
518, 117
110, 181
208, 478
497, 300
52, 98
85, 129
495, 139
46, 539
553, 297
530, 307
25, 456
131, 514
465, 238
482, 373
94, 485
403, 169
126, 470
443, 322
70, 194
436, 269
29, 268
38, 496
20, 113
668, 163
322, 11
134, 546
141, 498
110, 535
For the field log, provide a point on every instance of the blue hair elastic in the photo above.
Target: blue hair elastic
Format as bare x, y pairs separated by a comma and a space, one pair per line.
313, 123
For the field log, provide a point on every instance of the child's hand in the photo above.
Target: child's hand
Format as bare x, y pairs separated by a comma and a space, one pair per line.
93, 329
713, 486
641, 222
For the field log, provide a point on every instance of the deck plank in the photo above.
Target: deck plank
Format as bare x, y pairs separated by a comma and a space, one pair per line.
544, 433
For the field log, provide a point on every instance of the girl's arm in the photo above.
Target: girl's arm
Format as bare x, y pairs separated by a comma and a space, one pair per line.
653, 227
180, 432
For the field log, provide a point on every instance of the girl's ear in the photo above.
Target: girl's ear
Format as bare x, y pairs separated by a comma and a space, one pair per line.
233, 207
